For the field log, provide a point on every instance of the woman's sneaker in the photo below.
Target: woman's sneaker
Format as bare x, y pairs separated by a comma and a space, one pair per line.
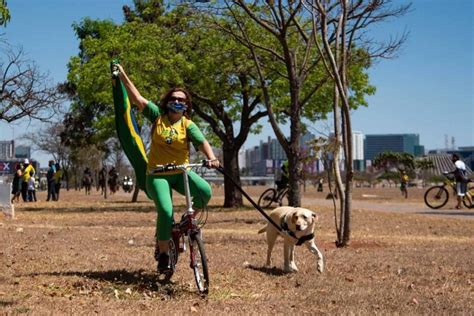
164, 265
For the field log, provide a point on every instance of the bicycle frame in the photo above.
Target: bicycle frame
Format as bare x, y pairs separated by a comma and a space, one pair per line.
187, 227
280, 194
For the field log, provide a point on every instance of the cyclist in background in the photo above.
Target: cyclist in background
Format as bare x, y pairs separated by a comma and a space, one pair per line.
460, 174
283, 182
171, 134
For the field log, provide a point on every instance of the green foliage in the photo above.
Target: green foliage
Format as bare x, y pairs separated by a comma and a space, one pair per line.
182, 47
4, 13
399, 160
390, 176
424, 164
174, 50
436, 179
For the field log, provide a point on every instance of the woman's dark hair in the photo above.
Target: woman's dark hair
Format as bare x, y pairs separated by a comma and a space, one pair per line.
167, 97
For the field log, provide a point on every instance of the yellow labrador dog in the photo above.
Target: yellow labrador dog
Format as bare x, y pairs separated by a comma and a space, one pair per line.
298, 225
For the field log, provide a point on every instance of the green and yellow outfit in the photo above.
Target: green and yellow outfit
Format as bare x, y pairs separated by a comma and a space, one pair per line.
27, 171
170, 144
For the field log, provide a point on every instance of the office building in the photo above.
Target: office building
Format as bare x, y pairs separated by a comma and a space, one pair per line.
7, 149
379, 143
23, 152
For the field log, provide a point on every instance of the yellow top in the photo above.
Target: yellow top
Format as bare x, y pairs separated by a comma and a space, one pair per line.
26, 172
170, 141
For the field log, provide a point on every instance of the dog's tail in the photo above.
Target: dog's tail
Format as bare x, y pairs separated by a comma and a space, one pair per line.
263, 229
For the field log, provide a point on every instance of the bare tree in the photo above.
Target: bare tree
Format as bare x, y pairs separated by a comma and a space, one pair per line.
340, 28
282, 47
48, 140
24, 90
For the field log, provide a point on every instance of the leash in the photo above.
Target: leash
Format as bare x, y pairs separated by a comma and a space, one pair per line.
281, 229
268, 218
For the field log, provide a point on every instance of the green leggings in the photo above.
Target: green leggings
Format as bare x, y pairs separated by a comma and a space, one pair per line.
159, 189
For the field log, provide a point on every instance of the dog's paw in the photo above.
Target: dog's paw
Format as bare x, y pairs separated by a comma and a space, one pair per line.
294, 267
320, 266
291, 269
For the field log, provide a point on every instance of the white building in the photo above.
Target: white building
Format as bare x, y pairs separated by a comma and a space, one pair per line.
357, 145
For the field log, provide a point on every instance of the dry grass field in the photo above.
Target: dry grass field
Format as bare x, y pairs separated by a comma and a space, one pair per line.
87, 255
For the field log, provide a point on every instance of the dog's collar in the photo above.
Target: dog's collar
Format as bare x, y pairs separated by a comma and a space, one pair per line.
301, 240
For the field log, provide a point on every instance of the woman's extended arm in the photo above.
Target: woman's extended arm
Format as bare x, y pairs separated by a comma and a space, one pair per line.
207, 150
132, 91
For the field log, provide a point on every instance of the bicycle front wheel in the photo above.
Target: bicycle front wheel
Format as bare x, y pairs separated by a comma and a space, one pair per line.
436, 197
199, 263
267, 198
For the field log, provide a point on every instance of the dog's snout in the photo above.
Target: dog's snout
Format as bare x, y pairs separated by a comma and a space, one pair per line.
298, 227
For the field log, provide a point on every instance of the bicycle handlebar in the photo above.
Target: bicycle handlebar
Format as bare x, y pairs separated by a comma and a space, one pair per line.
173, 167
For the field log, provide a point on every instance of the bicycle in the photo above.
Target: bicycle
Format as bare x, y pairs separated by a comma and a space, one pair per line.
188, 228
437, 196
272, 195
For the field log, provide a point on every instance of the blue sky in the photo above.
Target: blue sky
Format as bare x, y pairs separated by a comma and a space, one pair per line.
427, 90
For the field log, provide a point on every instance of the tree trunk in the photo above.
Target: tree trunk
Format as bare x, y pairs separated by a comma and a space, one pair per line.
294, 176
349, 181
232, 197
106, 177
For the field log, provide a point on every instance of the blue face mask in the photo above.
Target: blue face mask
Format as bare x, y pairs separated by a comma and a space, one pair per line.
176, 107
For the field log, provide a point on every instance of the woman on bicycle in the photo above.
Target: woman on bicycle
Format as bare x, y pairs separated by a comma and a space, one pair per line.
170, 136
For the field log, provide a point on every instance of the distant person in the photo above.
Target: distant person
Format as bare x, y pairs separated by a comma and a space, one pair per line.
57, 179
28, 170
87, 180
320, 185
285, 176
113, 180
101, 181
50, 178
460, 174
404, 184
16, 184
32, 188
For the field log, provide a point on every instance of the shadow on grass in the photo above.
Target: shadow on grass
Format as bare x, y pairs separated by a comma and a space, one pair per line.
140, 280
91, 209
270, 271
6, 303
122, 206
456, 213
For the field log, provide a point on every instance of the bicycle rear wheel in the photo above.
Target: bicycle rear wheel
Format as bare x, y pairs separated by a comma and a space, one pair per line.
199, 263
436, 197
470, 192
267, 198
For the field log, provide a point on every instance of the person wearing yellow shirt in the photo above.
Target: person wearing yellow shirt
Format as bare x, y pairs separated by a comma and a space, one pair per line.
171, 134
404, 184
58, 176
28, 170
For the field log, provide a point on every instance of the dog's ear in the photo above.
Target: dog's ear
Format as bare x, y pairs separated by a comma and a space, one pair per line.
294, 218
315, 217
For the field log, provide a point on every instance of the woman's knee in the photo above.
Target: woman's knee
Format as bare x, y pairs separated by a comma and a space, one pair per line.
203, 194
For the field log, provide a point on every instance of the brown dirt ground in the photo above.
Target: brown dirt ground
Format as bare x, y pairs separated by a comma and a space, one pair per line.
86, 255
